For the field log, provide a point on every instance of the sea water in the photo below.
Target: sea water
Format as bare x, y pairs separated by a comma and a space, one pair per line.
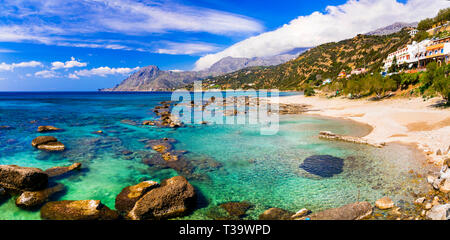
263, 170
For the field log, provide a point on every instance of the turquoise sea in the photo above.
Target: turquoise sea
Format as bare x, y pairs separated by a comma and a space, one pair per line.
235, 162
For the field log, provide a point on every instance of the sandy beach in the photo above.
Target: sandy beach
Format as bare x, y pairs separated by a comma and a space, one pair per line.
404, 120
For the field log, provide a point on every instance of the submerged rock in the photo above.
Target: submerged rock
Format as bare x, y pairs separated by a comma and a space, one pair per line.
175, 197
22, 178
384, 203
237, 209
28, 199
59, 171
276, 214
77, 210
48, 129
128, 197
323, 165
301, 213
353, 211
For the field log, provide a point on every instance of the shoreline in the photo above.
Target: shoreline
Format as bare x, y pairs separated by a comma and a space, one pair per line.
399, 120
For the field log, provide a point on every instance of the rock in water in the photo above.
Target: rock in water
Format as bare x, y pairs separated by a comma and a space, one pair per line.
323, 165
276, 214
175, 197
59, 171
34, 199
353, 211
77, 210
128, 197
22, 178
47, 143
43, 140
237, 209
52, 146
48, 129
384, 203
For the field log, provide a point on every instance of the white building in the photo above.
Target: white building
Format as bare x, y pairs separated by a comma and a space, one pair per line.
413, 32
407, 55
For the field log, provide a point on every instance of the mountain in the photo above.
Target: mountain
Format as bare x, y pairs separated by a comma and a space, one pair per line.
316, 64
151, 78
393, 28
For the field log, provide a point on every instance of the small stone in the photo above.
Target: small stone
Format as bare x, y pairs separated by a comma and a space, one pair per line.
428, 206
384, 203
419, 200
435, 201
430, 179
395, 212
52, 147
439, 152
301, 213
48, 129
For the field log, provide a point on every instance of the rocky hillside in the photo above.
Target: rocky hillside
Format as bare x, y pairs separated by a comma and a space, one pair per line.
151, 78
393, 28
322, 62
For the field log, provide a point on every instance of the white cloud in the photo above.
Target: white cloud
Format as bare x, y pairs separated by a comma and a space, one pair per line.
29, 21
174, 48
68, 64
3, 50
46, 74
102, 71
12, 66
337, 23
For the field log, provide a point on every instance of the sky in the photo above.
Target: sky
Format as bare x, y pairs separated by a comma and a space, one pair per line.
84, 45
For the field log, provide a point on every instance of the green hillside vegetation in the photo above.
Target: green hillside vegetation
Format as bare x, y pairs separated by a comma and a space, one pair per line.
316, 64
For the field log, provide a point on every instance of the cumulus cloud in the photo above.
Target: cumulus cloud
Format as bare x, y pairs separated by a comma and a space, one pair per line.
68, 64
46, 74
12, 66
335, 24
102, 71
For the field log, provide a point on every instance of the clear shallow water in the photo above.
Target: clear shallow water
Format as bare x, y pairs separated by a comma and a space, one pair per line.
263, 170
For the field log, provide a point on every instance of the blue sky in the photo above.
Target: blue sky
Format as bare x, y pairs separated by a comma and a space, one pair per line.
62, 45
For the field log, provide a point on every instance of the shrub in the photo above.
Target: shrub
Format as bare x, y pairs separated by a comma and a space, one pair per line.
309, 91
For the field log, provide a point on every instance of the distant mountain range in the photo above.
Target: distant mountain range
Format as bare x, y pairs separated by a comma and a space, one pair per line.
393, 28
151, 78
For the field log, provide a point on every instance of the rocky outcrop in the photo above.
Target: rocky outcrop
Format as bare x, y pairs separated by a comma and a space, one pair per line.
22, 178
47, 143
175, 197
77, 210
48, 129
28, 200
439, 212
353, 211
384, 203
59, 171
332, 136
128, 197
276, 214
237, 209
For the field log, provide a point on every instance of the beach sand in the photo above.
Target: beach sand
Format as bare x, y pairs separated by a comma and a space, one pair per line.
404, 120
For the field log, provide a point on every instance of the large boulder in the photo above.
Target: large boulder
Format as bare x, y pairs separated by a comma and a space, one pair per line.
77, 210
22, 178
47, 143
352, 211
48, 129
59, 171
28, 199
175, 197
439, 212
128, 197
276, 214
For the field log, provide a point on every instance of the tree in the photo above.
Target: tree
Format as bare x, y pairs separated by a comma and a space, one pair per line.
425, 24
443, 15
427, 78
394, 66
441, 81
421, 35
380, 85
